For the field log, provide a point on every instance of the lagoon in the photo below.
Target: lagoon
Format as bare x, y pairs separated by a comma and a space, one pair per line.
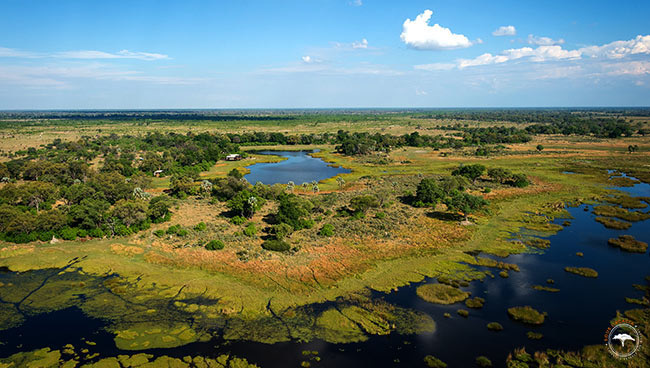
298, 166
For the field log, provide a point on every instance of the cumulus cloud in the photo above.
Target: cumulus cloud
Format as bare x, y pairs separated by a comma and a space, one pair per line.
613, 50
306, 59
505, 31
419, 35
356, 2
363, 44
543, 41
619, 49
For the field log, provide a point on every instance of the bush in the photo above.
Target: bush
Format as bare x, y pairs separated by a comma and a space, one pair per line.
96, 233
181, 232
46, 236
519, 181
250, 230
159, 233
282, 230
380, 215
173, 230
82, 233
201, 226
235, 174
69, 233
276, 245
122, 230
214, 245
237, 220
363, 202
428, 193
327, 230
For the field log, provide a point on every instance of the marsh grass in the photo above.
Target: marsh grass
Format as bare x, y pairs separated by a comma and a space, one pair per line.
582, 271
621, 213
611, 223
526, 315
628, 243
441, 294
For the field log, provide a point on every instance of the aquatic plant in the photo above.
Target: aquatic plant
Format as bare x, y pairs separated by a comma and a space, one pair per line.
534, 335
621, 213
441, 294
628, 243
545, 288
611, 223
462, 313
504, 274
582, 271
526, 315
476, 302
538, 243
433, 362
483, 361
494, 326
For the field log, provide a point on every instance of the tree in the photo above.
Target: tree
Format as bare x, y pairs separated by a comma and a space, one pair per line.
428, 193
293, 210
181, 185
234, 173
464, 203
245, 204
282, 230
89, 213
113, 185
471, 172
340, 181
227, 188
539, 148
519, 180
130, 212
632, 148
35, 193
159, 207
451, 183
206, 188
362, 203
499, 174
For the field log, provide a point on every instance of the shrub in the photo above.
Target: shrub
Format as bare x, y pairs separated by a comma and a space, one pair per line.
363, 202
276, 245
235, 174
380, 215
181, 232
201, 226
519, 181
326, 230
69, 233
96, 233
237, 220
122, 230
428, 193
282, 230
250, 230
82, 233
159, 233
214, 245
46, 236
172, 230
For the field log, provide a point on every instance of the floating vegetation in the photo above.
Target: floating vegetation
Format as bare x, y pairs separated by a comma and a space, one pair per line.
580, 254
611, 223
545, 288
621, 213
622, 181
47, 358
441, 294
504, 274
582, 271
433, 362
526, 314
489, 262
643, 301
482, 361
627, 201
629, 244
462, 313
550, 281
538, 243
494, 326
447, 315
447, 280
534, 335
476, 302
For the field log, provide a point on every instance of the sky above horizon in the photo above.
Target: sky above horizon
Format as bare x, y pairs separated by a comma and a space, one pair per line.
322, 53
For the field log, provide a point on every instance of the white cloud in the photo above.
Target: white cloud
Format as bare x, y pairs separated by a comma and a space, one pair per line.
420, 92
83, 54
619, 49
543, 41
356, 2
306, 59
418, 34
363, 44
505, 31
614, 50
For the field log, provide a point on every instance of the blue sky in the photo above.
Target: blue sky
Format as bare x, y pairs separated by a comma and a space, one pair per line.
322, 53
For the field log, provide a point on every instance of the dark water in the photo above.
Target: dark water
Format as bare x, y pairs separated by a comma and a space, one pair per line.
578, 315
299, 167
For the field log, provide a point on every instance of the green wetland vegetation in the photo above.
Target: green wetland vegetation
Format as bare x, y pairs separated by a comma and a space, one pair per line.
161, 238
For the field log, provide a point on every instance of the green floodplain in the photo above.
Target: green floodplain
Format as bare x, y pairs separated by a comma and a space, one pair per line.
87, 219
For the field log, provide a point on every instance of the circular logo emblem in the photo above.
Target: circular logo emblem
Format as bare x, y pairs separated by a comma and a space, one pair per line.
623, 340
